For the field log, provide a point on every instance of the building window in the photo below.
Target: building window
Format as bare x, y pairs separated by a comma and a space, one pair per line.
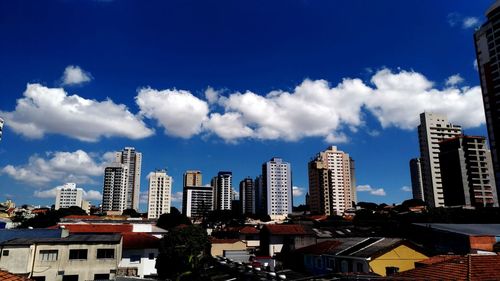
5, 253
135, 258
390, 270
78, 254
104, 276
151, 256
48, 255
105, 253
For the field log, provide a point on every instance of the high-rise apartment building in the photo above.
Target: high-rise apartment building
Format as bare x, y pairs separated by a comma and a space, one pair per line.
114, 195
222, 186
69, 195
132, 159
247, 196
260, 199
433, 129
417, 186
331, 182
192, 178
277, 188
197, 201
1, 128
467, 174
160, 194
488, 64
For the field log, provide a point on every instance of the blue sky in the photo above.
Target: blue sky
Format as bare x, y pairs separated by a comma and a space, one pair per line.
226, 85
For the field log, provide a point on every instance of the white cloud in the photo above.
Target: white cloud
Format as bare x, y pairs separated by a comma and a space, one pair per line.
211, 95
73, 75
45, 110
406, 188
177, 196
179, 112
454, 80
78, 166
52, 193
371, 190
229, 126
470, 22
297, 191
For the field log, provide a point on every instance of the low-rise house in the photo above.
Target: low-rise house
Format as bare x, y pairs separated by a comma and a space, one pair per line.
445, 238
72, 258
382, 256
457, 268
250, 235
220, 246
139, 255
283, 238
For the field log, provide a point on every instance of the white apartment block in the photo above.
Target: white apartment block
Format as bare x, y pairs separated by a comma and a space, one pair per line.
277, 181
69, 195
160, 194
223, 190
433, 129
114, 195
132, 159
331, 182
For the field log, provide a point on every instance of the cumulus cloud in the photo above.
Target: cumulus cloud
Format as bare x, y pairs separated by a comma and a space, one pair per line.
52, 193
406, 188
177, 196
78, 166
470, 22
315, 108
297, 191
73, 75
371, 190
45, 110
179, 112
454, 80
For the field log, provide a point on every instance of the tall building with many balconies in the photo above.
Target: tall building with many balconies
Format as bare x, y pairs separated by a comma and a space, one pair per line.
277, 188
467, 173
487, 42
331, 182
160, 194
247, 196
417, 186
132, 159
192, 178
222, 186
433, 129
197, 201
114, 194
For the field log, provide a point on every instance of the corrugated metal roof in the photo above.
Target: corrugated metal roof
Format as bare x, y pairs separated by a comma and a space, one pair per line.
466, 229
72, 239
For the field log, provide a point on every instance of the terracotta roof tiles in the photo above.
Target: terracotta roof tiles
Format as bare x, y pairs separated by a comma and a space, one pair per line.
6, 276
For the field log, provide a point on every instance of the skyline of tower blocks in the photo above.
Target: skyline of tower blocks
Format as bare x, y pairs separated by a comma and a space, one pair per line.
159, 194
132, 159
114, 195
331, 182
433, 129
222, 186
487, 53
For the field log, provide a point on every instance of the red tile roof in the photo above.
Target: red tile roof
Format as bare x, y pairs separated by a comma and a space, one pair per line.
470, 268
96, 228
224, 241
249, 230
436, 259
6, 276
319, 248
137, 240
287, 229
85, 217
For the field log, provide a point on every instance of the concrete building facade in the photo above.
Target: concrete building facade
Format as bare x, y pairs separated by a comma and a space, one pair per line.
114, 195
417, 186
488, 63
247, 196
192, 178
467, 173
197, 201
222, 186
132, 159
69, 195
277, 188
433, 129
331, 182
160, 194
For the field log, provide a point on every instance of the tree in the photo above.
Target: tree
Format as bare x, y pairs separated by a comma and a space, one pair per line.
131, 213
183, 253
173, 219
52, 217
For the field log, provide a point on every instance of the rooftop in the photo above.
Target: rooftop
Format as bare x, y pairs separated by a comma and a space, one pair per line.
8, 234
465, 229
288, 229
72, 239
6, 276
140, 241
96, 228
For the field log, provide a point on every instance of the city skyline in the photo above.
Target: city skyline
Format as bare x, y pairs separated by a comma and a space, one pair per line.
218, 94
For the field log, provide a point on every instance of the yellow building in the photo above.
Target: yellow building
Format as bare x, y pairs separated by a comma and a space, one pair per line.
398, 258
221, 245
